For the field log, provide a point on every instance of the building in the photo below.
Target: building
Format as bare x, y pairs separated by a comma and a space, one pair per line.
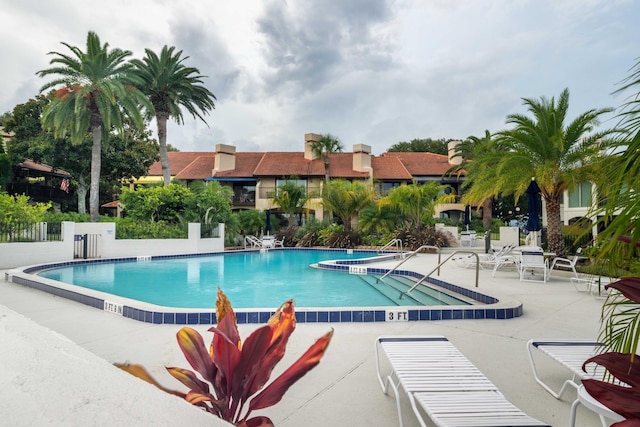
254, 176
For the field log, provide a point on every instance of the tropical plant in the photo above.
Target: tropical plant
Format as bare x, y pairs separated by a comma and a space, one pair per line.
251, 221
290, 198
95, 91
377, 220
170, 85
346, 199
467, 150
417, 201
324, 148
15, 209
230, 375
559, 155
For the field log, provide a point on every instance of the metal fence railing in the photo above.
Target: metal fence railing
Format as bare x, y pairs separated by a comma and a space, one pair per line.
209, 231
30, 232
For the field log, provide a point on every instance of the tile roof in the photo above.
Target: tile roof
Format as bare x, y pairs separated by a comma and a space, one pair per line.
422, 164
201, 167
389, 168
178, 160
41, 167
246, 163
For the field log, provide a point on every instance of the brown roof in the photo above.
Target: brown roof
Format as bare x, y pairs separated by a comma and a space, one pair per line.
422, 164
41, 167
246, 164
200, 168
341, 166
178, 160
288, 163
389, 168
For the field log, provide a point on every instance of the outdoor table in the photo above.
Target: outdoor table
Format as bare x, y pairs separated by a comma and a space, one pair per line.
585, 399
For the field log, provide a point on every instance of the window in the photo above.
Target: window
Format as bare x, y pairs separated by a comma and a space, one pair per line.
580, 197
383, 188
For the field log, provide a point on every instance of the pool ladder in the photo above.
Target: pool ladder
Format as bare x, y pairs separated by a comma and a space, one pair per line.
437, 268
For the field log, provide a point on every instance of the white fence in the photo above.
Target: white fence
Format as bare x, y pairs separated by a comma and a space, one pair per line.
28, 253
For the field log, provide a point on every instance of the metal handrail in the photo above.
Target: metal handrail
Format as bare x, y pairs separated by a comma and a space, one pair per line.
411, 254
395, 242
419, 282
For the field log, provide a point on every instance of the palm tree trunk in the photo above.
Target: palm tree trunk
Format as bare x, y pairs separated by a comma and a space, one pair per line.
554, 227
161, 119
487, 213
94, 192
82, 194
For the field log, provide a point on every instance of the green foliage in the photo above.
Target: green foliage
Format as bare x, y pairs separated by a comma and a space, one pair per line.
417, 202
251, 221
130, 228
346, 199
290, 198
413, 238
344, 239
325, 234
6, 173
309, 234
377, 219
51, 216
438, 146
15, 209
210, 204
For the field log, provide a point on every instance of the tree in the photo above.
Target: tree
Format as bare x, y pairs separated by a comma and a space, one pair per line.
324, 148
417, 202
558, 155
96, 89
438, 146
346, 199
377, 219
467, 150
290, 198
170, 85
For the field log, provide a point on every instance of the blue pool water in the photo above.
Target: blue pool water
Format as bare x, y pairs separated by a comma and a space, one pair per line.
250, 279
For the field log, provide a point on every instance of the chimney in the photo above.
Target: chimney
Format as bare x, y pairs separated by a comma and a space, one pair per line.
361, 157
309, 139
225, 159
452, 151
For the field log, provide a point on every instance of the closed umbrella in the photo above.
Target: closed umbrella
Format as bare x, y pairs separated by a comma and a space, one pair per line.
533, 205
267, 226
467, 216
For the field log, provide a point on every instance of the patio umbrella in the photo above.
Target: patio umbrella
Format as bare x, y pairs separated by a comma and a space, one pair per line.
267, 226
533, 205
467, 216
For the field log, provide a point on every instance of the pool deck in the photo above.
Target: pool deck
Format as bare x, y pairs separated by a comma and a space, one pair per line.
343, 389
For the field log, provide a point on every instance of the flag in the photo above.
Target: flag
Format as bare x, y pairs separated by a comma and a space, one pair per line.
64, 185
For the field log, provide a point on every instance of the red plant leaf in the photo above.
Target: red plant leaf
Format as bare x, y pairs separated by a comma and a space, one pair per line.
623, 400
283, 323
628, 286
256, 422
253, 352
627, 423
226, 318
201, 399
273, 393
621, 365
189, 379
225, 355
627, 239
194, 350
140, 372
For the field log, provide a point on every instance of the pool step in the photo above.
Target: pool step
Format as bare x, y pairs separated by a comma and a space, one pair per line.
394, 286
391, 289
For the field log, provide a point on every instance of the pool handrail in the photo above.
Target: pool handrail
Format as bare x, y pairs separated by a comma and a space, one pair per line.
410, 255
394, 242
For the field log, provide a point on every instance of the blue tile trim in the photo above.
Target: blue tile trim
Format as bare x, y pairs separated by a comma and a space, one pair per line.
175, 316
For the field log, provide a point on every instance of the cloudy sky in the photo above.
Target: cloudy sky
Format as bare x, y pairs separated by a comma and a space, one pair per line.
366, 71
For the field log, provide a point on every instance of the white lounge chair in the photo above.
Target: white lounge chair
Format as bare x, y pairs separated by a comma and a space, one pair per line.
442, 383
566, 263
253, 241
532, 262
570, 353
277, 243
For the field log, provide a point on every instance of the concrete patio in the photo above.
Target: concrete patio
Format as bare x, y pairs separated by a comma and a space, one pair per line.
343, 389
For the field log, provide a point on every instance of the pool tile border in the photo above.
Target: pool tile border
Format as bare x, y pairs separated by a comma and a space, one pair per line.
168, 315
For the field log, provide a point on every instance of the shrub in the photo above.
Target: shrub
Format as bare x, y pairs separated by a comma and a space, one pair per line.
343, 239
129, 228
427, 236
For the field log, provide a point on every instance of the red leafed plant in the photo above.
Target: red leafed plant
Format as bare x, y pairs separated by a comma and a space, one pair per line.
621, 336
230, 375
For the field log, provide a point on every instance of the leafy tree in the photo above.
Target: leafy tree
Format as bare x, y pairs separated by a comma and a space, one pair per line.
324, 148
170, 85
18, 209
467, 150
438, 146
559, 155
95, 92
346, 199
377, 219
210, 204
290, 198
417, 202
251, 221
155, 203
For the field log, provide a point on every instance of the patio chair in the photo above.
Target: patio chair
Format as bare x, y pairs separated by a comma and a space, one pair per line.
533, 262
566, 263
268, 241
570, 353
253, 241
441, 383
277, 243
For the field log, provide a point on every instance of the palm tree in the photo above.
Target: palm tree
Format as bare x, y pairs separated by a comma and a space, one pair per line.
467, 150
291, 198
417, 202
558, 155
96, 90
170, 85
346, 199
324, 147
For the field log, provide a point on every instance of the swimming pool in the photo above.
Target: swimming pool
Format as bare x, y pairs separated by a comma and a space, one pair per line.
256, 279
107, 298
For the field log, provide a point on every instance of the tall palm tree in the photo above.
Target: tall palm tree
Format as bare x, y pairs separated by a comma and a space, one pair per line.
417, 202
324, 148
96, 89
170, 85
558, 155
291, 198
467, 151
